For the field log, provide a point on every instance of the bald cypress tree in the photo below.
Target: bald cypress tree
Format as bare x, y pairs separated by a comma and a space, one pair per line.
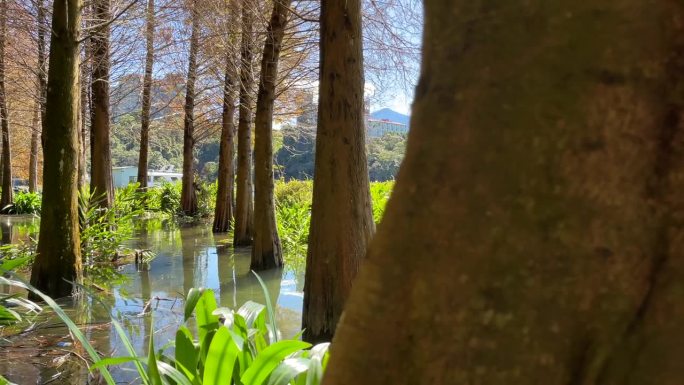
6, 197
100, 121
188, 193
58, 259
244, 192
266, 248
341, 217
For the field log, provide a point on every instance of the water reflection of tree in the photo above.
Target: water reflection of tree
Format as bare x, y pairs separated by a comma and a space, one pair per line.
238, 284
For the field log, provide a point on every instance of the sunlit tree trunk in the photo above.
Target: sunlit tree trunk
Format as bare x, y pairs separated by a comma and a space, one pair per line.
223, 214
244, 200
341, 216
6, 197
39, 115
188, 193
266, 249
83, 148
534, 234
146, 98
33, 155
101, 159
58, 259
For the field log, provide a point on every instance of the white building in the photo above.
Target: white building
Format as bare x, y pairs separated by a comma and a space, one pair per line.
123, 176
379, 127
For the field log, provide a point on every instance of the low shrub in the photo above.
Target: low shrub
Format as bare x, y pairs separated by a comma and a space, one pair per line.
24, 203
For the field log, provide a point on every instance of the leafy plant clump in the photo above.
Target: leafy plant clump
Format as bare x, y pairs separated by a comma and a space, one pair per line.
224, 347
24, 203
104, 230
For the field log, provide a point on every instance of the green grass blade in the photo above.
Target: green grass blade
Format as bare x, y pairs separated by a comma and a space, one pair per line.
131, 351
269, 308
152, 368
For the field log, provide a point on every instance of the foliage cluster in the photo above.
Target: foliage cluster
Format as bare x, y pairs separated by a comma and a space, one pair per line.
24, 203
104, 230
241, 347
295, 159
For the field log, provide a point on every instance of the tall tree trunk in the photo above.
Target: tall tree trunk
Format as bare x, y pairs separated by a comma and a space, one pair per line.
6, 197
43, 28
534, 234
101, 159
341, 216
188, 193
266, 249
58, 259
33, 155
83, 149
223, 214
146, 99
36, 133
244, 199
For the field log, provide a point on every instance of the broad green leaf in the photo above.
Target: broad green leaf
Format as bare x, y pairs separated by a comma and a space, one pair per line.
11, 264
206, 321
191, 301
172, 373
220, 363
288, 370
269, 359
187, 354
8, 316
250, 311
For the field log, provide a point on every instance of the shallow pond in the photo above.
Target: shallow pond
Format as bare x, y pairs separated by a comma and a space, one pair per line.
186, 256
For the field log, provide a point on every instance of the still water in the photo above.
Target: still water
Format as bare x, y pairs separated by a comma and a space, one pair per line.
186, 256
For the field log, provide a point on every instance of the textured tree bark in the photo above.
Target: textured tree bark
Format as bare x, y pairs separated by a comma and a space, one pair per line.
39, 116
43, 27
146, 98
101, 159
341, 216
58, 259
534, 234
83, 123
244, 199
33, 155
266, 249
6, 198
223, 213
188, 193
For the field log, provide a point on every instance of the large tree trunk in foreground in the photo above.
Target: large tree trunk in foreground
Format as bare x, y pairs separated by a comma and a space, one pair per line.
6, 197
534, 234
223, 213
101, 159
244, 199
188, 193
58, 259
341, 216
146, 99
266, 249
